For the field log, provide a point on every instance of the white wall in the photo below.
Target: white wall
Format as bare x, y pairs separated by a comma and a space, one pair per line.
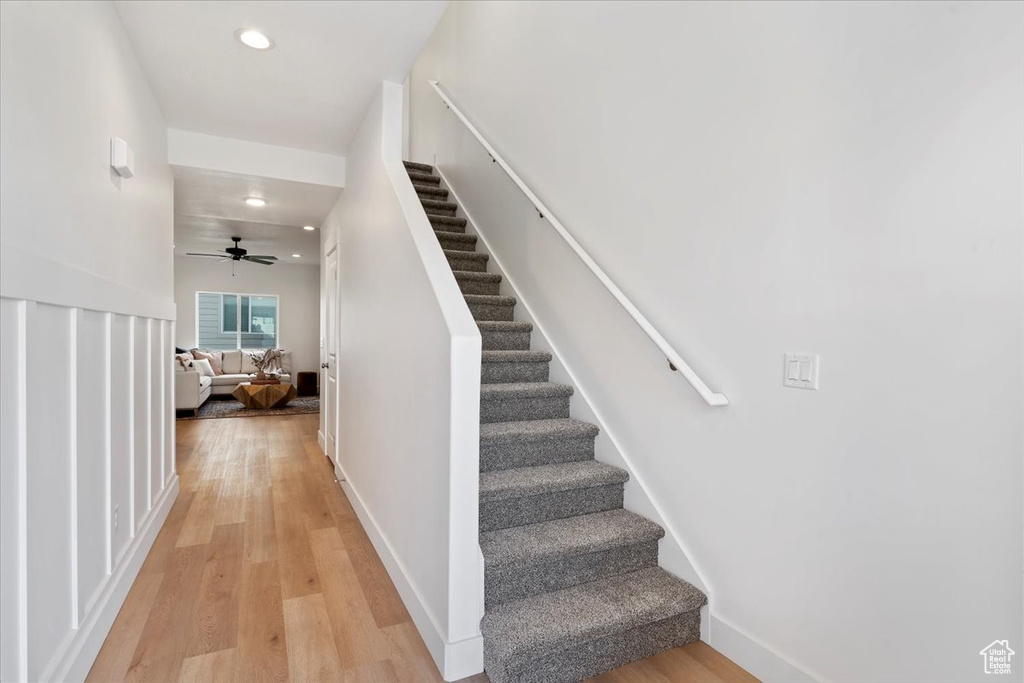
86, 329
297, 286
838, 178
408, 371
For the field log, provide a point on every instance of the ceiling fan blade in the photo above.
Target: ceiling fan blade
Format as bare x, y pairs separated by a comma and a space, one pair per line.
261, 256
210, 255
256, 260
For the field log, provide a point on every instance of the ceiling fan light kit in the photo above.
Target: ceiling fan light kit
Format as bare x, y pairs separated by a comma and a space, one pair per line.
237, 253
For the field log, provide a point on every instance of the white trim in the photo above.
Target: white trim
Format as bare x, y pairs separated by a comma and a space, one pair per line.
710, 397
75, 659
149, 415
33, 277
22, 391
455, 660
131, 433
71, 391
108, 415
757, 657
199, 150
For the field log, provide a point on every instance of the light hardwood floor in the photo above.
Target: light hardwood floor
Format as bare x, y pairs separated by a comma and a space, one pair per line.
262, 572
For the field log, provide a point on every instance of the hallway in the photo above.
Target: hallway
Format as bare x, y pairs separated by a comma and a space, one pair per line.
263, 573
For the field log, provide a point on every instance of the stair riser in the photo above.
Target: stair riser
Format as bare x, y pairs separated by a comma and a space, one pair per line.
465, 264
491, 312
503, 373
441, 226
521, 581
438, 209
454, 244
507, 455
519, 409
511, 512
590, 658
505, 341
478, 287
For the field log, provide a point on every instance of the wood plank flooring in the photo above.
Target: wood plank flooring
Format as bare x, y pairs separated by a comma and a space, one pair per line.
263, 572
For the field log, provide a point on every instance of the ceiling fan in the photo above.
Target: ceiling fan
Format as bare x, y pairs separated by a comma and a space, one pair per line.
236, 253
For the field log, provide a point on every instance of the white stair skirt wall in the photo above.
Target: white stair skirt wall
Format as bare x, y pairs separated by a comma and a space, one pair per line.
408, 368
88, 475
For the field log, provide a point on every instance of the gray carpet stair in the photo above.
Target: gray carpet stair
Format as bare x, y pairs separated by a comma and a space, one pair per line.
478, 283
501, 334
431, 192
447, 223
527, 495
497, 367
456, 241
572, 587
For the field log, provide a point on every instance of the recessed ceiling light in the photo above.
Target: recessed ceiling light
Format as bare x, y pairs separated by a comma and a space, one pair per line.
250, 37
255, 201
308, 227
296, 255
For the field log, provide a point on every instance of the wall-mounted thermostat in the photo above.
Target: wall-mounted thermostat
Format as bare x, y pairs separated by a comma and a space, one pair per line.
122, 158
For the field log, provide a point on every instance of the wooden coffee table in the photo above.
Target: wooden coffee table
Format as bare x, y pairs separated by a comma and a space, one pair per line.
264, 396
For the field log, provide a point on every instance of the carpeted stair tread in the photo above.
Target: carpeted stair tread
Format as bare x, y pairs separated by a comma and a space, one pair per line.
420, 178
516, 357
476, 277
456, 237
417, 166
447, 222
430, 191
432, 206
490, 299
536, 430
524, 390
504, 326
466, 255
544, 624
532, 481
542, 542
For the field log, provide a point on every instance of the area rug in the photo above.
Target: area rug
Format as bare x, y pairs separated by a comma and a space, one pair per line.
227, 406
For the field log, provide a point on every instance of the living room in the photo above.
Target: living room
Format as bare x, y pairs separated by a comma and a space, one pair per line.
246, 286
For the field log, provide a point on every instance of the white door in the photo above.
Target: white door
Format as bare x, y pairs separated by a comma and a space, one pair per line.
330, 378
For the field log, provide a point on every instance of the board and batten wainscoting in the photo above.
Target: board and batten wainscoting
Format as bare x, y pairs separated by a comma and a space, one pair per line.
88, 475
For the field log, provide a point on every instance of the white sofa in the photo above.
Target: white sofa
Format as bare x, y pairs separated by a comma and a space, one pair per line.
191, 389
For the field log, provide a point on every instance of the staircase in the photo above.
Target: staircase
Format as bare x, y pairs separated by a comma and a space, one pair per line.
572, 584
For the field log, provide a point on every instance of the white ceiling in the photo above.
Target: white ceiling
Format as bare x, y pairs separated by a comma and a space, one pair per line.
309, 92
210, 208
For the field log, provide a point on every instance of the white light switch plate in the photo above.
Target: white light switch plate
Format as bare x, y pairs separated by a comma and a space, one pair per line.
800, 370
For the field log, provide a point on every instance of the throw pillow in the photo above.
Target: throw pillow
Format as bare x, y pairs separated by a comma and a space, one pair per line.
215, 358
184, 358
203, 367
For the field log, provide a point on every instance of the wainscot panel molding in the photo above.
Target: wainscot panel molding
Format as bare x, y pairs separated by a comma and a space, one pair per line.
86, 465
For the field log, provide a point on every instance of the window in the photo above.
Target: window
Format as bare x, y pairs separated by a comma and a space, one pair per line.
236, 321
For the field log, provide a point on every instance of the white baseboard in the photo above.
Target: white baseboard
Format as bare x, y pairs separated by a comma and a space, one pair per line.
455, 660
321, 441
82, 649
757, 657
